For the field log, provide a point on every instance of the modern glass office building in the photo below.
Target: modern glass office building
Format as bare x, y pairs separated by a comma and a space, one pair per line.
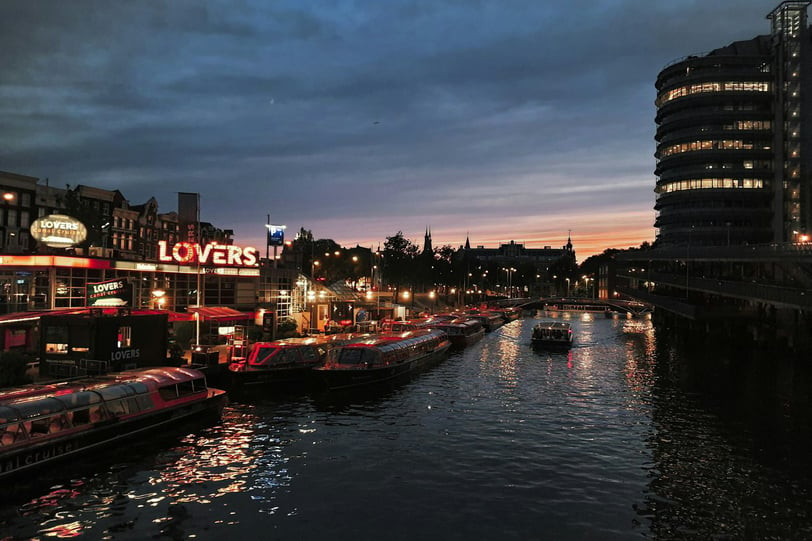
733, 140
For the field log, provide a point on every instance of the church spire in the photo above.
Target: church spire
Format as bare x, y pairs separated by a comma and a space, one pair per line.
427, 248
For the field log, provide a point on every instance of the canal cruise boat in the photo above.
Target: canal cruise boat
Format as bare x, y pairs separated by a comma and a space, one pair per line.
381, 358
43, 423
462, 332
286, 362
552, 334
490, 320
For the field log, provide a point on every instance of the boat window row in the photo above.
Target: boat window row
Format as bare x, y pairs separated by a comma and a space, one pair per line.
31, 418
182, 389
274, 355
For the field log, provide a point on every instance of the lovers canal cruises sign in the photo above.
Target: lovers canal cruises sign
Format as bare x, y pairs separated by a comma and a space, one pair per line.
58, 231
212, 254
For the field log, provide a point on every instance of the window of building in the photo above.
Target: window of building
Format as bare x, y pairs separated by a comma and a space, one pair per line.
124, 337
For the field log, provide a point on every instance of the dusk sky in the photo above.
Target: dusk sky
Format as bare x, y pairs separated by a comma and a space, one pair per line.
500, 120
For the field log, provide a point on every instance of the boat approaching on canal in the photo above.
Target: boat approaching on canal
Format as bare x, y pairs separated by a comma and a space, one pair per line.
552, 334
42, 423
381, 358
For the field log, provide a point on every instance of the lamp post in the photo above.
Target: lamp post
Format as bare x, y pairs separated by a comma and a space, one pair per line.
8, 198
568, 286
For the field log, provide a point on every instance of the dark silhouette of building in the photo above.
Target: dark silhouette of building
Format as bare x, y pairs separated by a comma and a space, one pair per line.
733, 148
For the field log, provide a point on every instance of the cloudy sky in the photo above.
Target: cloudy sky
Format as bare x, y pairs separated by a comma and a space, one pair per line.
496, 119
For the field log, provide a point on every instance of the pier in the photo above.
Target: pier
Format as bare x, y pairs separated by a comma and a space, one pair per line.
763, 292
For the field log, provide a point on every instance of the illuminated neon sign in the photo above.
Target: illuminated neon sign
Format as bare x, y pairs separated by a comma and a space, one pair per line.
188, 253
58, 231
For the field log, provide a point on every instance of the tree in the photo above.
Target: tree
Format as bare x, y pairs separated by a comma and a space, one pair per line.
399, 254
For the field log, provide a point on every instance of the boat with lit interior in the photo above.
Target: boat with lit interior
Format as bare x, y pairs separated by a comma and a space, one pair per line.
42, 423
552, 334
381, 358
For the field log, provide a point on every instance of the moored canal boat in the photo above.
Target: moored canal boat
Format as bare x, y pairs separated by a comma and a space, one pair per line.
490, 320
285, 363
552, 334
462, 332
381, 358
43, 423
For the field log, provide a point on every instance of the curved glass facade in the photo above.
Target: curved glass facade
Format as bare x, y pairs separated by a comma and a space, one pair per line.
715, 148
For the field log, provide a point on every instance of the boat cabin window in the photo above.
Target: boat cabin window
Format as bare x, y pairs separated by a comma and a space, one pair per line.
120, 399
83, 407
264, 354
42, 416
181, 389
356, 356
10, 428
288, 356
310, 354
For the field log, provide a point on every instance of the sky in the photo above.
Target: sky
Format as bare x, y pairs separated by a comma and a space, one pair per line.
498, 120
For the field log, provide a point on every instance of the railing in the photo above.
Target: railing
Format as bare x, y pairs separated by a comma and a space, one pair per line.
749, 291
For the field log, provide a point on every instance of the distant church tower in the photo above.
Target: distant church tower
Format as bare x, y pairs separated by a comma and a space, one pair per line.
568, 246
427, 248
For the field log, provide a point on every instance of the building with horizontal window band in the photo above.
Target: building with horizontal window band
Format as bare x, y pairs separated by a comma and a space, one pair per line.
733, 140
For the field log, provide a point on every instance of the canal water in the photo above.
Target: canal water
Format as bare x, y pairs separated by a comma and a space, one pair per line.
630, 435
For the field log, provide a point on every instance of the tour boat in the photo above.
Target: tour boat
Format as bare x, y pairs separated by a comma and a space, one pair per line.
462, 332
555, 334
490, 320
42, 423
286, 362
381, 358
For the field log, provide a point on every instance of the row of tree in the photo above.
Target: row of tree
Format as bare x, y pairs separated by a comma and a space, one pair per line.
400, 264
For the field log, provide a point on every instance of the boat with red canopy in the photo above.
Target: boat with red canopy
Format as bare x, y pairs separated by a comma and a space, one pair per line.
42, 423
286, 362
381, 358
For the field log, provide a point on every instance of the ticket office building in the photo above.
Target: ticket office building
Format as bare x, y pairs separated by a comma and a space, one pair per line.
36, 282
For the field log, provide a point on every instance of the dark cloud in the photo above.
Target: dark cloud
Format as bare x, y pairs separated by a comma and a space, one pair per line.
383, 114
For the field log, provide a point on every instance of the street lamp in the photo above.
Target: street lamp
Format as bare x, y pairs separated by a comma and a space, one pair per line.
8, 198
568, 286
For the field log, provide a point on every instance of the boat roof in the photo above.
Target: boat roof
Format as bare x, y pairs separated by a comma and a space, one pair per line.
553, 325
319, 340
154, 377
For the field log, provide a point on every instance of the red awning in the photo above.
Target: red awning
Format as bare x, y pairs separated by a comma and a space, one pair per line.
220, 313
173, 316
22, 317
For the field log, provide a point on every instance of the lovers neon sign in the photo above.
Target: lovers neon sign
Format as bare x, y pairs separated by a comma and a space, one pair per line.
188, 253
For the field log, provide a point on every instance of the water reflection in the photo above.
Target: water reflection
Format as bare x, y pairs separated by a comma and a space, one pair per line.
712, 475
617, 438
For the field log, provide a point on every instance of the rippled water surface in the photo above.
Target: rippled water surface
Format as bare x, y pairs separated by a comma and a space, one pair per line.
615, 439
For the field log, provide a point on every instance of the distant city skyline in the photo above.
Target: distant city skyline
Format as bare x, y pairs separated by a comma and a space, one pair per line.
498, 121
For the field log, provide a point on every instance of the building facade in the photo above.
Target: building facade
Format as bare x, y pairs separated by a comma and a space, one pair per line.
127, 242
734, 140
